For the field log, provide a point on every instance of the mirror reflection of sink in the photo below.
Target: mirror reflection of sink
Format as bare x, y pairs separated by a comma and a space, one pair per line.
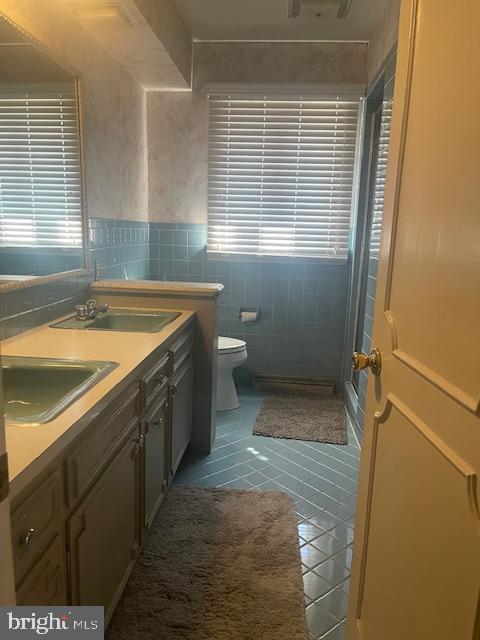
36, 390
131, 320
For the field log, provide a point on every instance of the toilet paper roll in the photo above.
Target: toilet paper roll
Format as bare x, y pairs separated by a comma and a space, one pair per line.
248, 316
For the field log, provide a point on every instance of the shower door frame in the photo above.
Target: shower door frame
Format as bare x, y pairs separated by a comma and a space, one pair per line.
359, 241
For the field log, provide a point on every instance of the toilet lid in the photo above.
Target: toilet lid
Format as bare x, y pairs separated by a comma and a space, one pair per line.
230, 345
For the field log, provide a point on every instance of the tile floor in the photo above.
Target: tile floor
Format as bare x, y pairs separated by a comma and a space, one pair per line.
321, 479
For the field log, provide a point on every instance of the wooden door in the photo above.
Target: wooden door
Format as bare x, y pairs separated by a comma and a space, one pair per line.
104, 533
181, 397
416, 567
155, 459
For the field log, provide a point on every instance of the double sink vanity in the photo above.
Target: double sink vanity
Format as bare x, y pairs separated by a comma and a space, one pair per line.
101, 398
99, 412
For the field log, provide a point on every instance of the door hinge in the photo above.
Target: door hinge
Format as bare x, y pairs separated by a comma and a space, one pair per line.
4, 482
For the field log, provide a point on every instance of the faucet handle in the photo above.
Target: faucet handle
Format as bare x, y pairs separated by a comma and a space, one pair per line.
91, 304
81, 312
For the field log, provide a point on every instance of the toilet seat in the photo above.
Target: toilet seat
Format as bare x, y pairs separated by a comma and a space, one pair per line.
230, 345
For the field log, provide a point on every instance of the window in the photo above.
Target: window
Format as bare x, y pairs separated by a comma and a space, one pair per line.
281, 174
380, 178
40, 187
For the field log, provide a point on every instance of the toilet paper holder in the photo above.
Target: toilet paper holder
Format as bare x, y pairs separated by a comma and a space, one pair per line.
249, 314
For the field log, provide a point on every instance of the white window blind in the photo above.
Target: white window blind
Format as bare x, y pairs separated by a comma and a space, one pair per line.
380, 178
40, 188
280, 174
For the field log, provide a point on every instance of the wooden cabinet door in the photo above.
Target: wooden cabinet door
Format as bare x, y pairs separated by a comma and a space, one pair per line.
45, 584
155, 460
181, 393
104, 532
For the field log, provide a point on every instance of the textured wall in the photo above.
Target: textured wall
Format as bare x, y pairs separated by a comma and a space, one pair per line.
383, 39
177, 122
166, 21
278, 62
113, 104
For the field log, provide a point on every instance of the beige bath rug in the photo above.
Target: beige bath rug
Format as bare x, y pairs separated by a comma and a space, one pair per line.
219, 564
302, 416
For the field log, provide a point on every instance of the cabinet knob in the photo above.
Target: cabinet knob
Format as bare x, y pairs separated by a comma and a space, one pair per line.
27, 540
160, 379
158, 423
173, 389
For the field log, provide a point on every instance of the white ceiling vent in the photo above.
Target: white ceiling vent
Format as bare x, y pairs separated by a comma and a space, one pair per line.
316, 9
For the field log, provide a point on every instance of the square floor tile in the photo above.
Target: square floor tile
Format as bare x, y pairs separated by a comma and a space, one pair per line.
305, 490
306, 509
351, 502
343, 533
345, 586
328, 544
338, 633
322, 501
319, 620
325, 520
315, 586
335, 602
309, 531
332, 571
344, 557
311, 556
340, 511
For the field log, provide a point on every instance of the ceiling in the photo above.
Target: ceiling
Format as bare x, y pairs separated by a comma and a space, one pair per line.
268, 20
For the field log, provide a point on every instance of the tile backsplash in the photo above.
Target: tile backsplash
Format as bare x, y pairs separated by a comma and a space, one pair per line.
25, 308
302, 305
121, 248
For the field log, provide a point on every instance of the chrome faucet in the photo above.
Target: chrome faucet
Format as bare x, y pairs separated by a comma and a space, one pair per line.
89, 310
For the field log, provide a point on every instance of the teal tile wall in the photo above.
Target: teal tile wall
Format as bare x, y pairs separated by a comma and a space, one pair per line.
121, 248
302, 305
33, 261
26, 308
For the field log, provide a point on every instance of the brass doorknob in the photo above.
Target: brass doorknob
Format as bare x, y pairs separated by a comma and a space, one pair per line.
362, 361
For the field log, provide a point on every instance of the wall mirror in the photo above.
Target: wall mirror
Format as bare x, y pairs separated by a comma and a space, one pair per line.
42, 229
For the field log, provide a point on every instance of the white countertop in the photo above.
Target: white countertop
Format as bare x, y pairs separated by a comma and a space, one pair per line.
190, 289
30, 449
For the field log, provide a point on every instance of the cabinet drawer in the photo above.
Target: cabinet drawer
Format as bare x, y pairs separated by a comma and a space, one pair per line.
91, 457
45, 584
182, 348
155, 381
35, 521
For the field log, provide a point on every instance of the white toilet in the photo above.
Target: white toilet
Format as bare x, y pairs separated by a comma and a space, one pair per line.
231, 353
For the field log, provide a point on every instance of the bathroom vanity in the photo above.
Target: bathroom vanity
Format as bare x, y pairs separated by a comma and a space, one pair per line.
87, 485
